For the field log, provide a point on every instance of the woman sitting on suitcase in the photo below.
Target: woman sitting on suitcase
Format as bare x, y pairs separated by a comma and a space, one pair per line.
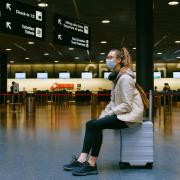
124, 110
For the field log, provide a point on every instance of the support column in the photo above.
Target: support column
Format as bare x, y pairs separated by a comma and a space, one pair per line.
3, 72
144, 44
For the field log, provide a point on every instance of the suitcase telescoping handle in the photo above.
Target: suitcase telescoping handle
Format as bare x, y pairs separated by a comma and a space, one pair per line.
150, 105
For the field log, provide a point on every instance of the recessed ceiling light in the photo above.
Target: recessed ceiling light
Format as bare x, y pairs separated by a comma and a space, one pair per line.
173, 3
30, 42
46, 54
102, 53
71, 49
27, 58
56, 61
103, 42
177, 42
11, 61
42, 4
105, 21
159, 53
8, 49
134, 48
76, 58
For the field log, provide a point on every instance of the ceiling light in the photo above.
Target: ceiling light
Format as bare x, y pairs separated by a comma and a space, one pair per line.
134, 48
46, 54
103, 42
173, 3
105, 21
8, 49
102, 53
11, 61
76, 58
71, 49
30, 42
27, 58
42, 4
56, 61
159, 53
177, 42
178, 57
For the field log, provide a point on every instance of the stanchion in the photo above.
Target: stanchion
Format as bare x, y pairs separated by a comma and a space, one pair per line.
93, 105
30, 106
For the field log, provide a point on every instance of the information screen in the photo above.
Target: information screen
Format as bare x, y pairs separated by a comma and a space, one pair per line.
42, 75
64, 75
20, 75
176, 74
106, 74
86, 75
157, 75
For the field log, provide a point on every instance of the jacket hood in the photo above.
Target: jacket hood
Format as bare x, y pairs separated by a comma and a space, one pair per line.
130, 72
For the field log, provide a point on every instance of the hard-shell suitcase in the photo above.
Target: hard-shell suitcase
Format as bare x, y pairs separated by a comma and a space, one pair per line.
137, 143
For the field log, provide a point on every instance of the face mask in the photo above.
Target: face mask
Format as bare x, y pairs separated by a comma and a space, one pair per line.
110, 63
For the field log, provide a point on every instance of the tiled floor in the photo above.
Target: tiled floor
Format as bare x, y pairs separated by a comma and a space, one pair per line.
34, 146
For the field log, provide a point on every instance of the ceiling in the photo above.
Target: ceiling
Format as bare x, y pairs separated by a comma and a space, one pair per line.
121, 31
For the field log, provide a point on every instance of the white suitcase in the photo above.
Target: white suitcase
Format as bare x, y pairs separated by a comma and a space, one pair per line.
137, 144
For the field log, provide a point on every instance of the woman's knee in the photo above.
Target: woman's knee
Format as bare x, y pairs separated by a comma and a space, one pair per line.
90, 123
97, 126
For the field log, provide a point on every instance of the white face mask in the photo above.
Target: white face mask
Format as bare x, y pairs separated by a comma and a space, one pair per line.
110, 63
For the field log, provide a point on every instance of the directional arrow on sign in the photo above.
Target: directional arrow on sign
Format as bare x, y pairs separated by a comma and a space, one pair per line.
59, 22
59, 36
8, 6
8, 25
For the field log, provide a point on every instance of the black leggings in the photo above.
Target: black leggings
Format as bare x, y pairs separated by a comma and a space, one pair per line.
94, 136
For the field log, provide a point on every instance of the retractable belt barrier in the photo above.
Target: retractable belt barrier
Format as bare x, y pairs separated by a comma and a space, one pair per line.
160, 98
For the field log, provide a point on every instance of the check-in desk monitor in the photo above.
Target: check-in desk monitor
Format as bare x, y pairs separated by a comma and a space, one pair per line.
64, 75
176, 75
20, 75
157, 75
106, 74
42, 75
86, 75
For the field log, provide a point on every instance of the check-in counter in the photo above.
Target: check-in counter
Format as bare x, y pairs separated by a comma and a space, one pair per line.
104, 95
83, 96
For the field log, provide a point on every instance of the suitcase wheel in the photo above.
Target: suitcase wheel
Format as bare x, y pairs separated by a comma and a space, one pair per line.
149, 165
123, 165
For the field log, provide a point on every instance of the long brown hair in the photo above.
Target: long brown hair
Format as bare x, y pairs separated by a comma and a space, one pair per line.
126, 60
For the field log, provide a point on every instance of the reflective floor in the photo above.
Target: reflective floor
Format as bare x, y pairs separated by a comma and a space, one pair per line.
34, 146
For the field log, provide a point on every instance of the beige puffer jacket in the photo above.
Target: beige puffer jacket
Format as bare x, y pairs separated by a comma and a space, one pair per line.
126, 100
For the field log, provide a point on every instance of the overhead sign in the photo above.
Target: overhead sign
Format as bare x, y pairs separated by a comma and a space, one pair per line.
71, 32
68, 38
23, 11
21, 28
21, 19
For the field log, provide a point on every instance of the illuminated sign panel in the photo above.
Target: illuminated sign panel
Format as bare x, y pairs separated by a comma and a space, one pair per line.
71, 32
20, 19
22, 11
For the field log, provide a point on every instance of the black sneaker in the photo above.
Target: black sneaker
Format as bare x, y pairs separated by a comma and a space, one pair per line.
74, 164
85, 169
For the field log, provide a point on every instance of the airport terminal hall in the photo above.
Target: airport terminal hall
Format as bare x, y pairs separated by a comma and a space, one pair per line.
89, 89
